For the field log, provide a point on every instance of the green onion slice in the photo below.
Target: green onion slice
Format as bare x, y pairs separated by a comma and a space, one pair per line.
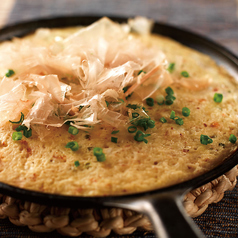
169, 91
141, 71
20, 121
159, 99
163, 120
171, 67
81, 107
140, 136
179, 121
204, 139
73, 130
150, 102
132, 129
20, 128
114, 139
129, 96
98, 152
135, 114
101, 158
17, 135
9, 73
172, 115
133, 106
27, 133
218, 97
169, 99
143, 122
76, 163
151, 123
115, 132
185, 111
185, 74
125, 89
232, 138
73, 145
169, 102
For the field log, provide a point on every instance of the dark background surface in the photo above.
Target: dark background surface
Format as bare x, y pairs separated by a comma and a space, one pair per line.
215, 19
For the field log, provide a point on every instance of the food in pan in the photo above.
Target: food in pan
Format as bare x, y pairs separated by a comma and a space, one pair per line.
111, 109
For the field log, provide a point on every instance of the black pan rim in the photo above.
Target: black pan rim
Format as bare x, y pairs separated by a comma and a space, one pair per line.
27, 27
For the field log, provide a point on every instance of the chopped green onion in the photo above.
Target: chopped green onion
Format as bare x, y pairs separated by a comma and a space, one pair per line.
186, 111
73, 145
107, 103
163, 120
185, 74
171, 67
179, 121
169, 102
68, 122
232, 138
141, 71
125, 89
27, 133
9, 73
97, 151
150, 102
73, 130
81, 107
114, 139
159, 99
218, 97
101, 158
76, 163
204, 139
86, 125
133, 106
20, 128
135, 115
140, 136
172, 115
129, 96
169, 99
132, 129
115, 132
20, 121
146, 141
143, 122
169, 91
151, 123
17, 135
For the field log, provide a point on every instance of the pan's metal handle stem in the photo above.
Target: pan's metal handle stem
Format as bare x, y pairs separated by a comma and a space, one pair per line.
167, 215
169, 218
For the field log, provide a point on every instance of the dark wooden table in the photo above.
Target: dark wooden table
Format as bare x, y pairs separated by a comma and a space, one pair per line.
215, 19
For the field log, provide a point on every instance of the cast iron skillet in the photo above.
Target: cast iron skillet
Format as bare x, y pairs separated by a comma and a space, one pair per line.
163, 206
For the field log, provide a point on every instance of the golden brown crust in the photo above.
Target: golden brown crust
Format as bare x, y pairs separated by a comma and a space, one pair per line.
173, 153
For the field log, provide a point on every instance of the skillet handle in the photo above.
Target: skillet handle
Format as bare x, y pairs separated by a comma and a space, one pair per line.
169, 218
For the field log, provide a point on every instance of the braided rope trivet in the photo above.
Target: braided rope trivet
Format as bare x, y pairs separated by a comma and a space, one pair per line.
100, 222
